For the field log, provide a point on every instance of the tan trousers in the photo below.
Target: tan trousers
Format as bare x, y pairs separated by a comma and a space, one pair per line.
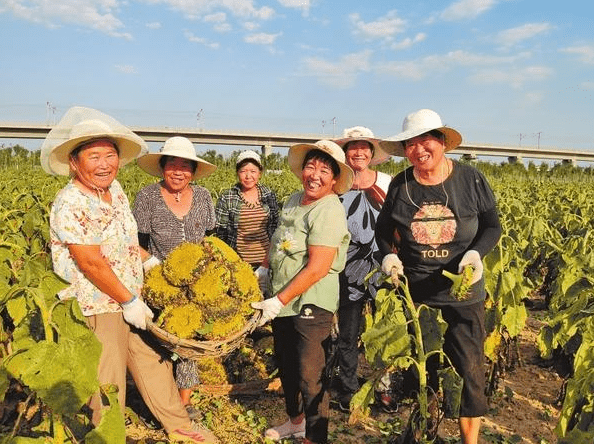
123, 349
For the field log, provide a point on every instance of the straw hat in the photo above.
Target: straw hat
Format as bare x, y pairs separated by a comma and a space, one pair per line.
362, 133
176, 146
249, 155
417, 123
297, 154
80, 125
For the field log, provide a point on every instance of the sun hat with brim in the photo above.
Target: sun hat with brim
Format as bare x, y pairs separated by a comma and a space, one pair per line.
249, 155
417, 123
81, 125
362, 133
176, 146
298, 152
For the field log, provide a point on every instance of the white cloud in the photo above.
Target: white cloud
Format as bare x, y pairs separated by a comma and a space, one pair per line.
194, 39
304, 5
408, 42
341, 74
511, 37
251, 26
585, 53
516, 78
197, 8
466, 9
93, 14
261, 38
384, 28
126, 69
215, 18
153, 25
222, 27
419, 69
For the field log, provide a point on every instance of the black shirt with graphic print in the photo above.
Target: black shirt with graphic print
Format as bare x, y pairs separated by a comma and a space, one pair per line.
432, 226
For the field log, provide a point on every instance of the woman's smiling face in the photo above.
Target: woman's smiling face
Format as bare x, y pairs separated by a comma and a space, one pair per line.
317, 179
425, 152
358, 155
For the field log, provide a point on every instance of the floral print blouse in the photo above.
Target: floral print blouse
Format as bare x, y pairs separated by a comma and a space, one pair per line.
84, 219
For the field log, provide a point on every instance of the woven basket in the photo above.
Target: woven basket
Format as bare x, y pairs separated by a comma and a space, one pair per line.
193, 349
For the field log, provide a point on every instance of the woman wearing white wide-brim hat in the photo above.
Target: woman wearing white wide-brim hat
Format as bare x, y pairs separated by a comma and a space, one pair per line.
95, 248
173, 211
362, 204
441, 215
307, 251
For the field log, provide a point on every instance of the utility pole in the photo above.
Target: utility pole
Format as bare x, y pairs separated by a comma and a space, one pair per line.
323, 125
198, 116
521, 137
333, 127
538, 139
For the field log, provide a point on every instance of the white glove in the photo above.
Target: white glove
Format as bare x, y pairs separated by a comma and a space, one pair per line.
270, 309
472, 257
136, 312
391, 264
263, 275
150, 263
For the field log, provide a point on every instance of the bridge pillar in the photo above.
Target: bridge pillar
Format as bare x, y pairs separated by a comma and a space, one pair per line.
514, 159
469, 156
266, 150
571, 162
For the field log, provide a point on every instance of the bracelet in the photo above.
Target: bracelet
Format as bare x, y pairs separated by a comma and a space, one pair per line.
123, 304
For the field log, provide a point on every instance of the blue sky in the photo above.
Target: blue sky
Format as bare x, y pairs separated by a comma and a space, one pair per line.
500, 71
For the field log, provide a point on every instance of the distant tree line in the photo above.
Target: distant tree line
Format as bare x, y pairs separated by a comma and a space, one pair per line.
16, 155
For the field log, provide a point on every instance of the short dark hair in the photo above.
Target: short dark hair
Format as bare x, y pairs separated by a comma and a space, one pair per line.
165, 158
322, 156
76, 151
245, 161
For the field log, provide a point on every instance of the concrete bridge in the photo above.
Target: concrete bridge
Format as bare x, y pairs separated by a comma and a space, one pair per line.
268, 140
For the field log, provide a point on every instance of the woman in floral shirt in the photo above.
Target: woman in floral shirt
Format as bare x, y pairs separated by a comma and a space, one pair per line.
95, 248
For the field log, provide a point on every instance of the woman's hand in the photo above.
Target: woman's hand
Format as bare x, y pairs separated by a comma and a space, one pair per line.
263, 275
270, 309
136, 312
472, 257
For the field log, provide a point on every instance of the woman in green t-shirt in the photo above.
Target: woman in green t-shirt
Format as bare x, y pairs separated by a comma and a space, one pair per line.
307, 252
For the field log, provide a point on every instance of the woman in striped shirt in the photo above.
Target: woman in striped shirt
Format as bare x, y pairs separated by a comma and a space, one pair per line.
247, 213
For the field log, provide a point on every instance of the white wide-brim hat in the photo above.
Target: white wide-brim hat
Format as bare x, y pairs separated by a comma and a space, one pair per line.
80, 125
297, 154
417, 123
176, 146
362, 133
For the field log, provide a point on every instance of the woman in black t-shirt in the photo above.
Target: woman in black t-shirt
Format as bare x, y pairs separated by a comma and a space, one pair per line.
441, 215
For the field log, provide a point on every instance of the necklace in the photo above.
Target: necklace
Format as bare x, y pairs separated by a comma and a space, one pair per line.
443, 176
178, 196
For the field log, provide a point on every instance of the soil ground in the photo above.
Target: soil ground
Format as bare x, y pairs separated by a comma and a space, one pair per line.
523, 410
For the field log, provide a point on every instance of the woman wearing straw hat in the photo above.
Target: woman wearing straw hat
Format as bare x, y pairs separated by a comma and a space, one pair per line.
171, 212
441, 215
95, 248
247, 214
305, 258
362, 204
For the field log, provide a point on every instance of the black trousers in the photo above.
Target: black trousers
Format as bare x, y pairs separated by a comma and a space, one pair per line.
300, 348
350, 316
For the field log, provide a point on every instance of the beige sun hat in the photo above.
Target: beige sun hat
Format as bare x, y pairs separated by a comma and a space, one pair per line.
80, 125
176, 146
297, 155
362, 133
417, 123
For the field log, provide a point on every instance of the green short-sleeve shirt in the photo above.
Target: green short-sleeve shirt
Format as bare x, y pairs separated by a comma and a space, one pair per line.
321, 223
